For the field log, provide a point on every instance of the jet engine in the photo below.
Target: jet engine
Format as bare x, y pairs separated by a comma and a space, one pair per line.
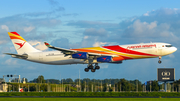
81, 55
104, 59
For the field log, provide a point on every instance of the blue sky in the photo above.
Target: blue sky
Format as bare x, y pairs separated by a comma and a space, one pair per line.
87, 23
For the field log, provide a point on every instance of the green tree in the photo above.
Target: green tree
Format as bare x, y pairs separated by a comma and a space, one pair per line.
155, 85
40, 79
104, 87
134, 84
15, 80
15, 87
43, 87
32, 88
124, 85
69, 81
54, 81
176, 85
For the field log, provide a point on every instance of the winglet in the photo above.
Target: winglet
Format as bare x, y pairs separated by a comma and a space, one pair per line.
47, 44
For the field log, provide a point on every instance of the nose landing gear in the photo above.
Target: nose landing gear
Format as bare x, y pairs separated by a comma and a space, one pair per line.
90, 66
160, 60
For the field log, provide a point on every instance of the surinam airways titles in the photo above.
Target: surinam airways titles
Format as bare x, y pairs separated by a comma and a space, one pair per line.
142, 46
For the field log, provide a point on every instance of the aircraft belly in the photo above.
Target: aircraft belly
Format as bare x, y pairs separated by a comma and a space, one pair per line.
64, 62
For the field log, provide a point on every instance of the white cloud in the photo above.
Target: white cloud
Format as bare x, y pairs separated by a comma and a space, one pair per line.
95, 32
92, 24
149, 30
41, 46
38, 45
2, 55
53, 21
175, 9
11, 62
85, 37
171, 56
146, 14
97, 44
141, 27
5, 27
2, 41
31, 68
12, 49
33, 43
28, 29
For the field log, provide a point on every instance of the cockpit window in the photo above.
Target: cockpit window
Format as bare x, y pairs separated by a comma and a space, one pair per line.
168, 45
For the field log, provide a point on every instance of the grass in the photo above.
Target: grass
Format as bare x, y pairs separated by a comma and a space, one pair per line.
89, 99
93, 94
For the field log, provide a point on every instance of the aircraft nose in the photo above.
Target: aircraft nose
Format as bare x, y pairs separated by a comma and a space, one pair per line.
174, 49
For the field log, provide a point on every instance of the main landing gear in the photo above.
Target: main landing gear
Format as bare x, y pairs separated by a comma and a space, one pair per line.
159, 60
90, 66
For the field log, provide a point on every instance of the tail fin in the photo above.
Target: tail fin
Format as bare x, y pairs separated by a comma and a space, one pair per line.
21, 45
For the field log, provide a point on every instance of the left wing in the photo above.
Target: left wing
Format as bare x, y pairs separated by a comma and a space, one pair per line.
65, 51
70, 52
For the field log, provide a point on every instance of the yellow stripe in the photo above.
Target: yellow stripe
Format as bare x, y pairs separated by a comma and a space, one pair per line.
10, 34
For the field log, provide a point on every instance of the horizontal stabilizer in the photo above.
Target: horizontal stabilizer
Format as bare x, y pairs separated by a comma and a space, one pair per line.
24, 56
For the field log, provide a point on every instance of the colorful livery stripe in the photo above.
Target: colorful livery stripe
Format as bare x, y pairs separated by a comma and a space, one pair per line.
122, 53
14, 35
120, 49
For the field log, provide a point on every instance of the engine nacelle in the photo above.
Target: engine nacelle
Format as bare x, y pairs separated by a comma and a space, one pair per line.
81, 55
104, 59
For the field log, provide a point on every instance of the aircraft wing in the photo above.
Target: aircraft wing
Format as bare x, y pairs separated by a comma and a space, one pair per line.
65, 51
69, 52
24, 56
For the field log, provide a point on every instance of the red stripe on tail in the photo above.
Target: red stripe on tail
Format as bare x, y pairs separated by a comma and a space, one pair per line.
15, 33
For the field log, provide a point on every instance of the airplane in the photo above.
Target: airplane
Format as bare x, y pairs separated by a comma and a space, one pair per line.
91, 55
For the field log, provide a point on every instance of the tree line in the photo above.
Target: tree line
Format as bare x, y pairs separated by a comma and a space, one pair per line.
105, 84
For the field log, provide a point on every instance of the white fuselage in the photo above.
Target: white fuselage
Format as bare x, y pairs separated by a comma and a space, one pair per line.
58, 58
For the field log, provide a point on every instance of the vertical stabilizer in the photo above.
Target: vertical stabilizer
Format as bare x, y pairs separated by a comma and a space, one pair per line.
21, 45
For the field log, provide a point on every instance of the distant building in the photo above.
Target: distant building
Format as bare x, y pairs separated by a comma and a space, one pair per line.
108, 85
3, 86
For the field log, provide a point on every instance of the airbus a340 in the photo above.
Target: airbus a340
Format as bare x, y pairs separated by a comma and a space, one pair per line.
91, 56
